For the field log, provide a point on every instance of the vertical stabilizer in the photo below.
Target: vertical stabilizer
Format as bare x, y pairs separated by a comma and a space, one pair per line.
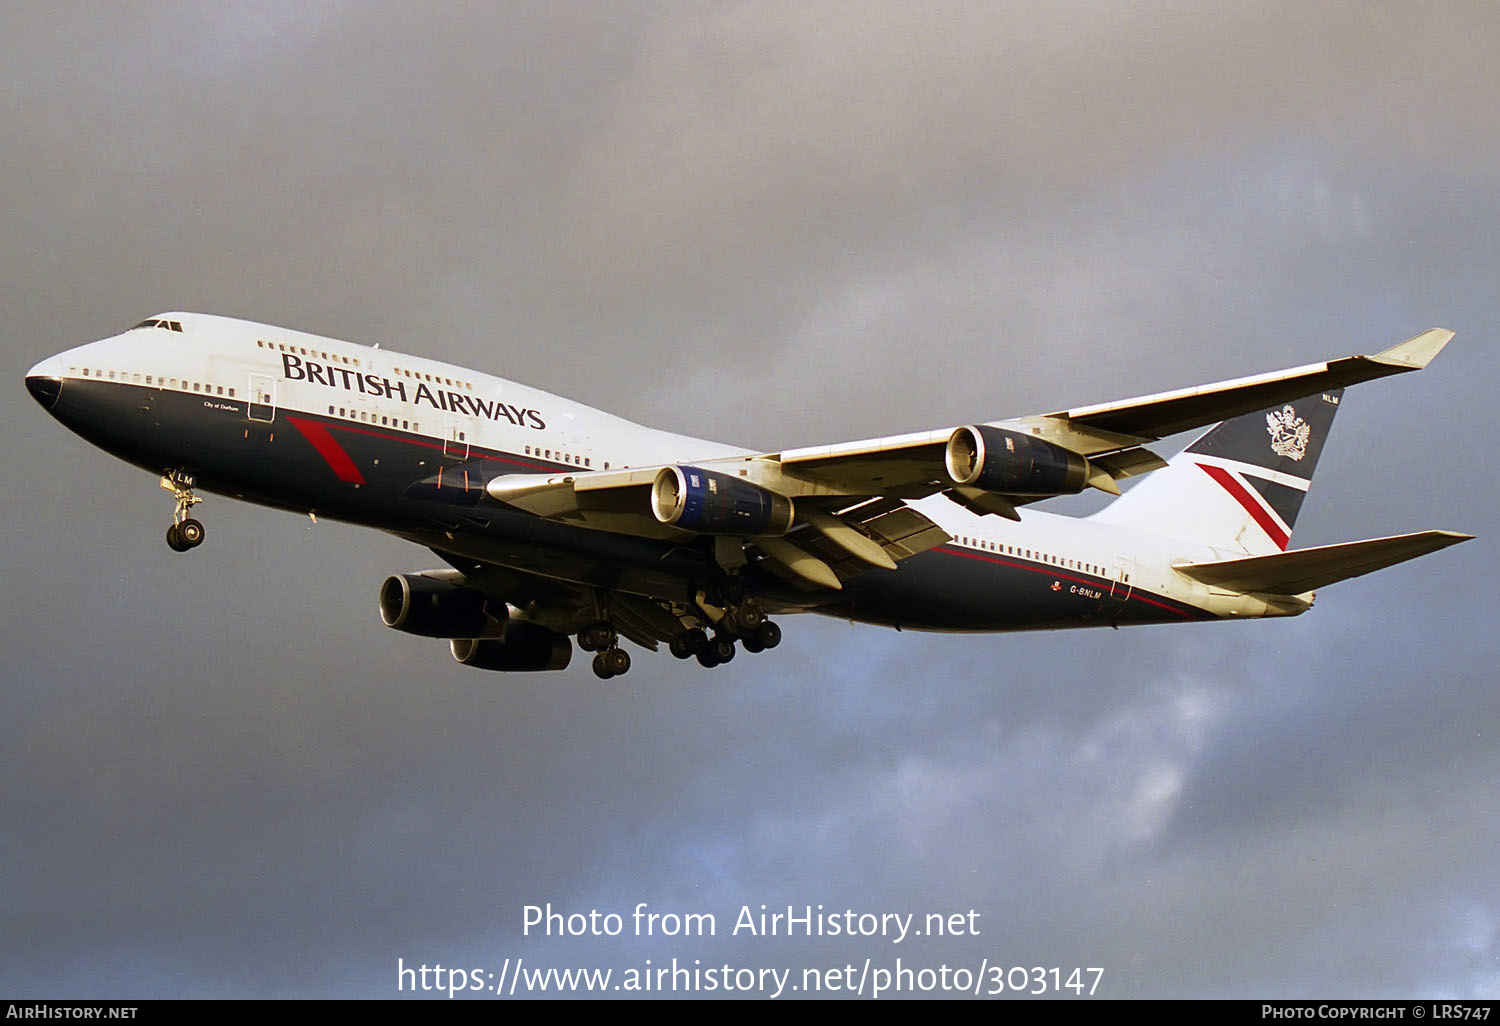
1240, 485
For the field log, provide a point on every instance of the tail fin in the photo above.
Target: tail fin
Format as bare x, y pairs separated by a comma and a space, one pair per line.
1240, 485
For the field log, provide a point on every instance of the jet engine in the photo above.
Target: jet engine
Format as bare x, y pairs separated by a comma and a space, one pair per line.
435, 608
710, 502
1011, 463
525, 647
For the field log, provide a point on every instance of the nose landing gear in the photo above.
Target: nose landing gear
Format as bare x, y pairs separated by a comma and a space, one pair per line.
185, 532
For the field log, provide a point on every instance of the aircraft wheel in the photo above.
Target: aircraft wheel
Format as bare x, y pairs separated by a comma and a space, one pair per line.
174, 540
706, 657
601, 666
617, 660
597, 637
768, 635
747, 618
722, 647
190, 533
752, 644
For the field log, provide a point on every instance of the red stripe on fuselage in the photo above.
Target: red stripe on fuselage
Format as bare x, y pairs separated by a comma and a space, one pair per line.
474, 451
1098, 583
330, 450
1252, 506
405, 439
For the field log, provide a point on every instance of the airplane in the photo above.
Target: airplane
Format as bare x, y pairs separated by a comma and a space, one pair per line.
558, 522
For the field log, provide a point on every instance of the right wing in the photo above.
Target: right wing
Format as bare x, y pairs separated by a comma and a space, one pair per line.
823, 512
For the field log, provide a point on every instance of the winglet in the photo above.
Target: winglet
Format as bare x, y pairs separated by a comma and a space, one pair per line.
1418, 352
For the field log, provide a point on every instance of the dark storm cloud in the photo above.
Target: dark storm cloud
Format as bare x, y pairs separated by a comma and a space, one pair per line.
771, 225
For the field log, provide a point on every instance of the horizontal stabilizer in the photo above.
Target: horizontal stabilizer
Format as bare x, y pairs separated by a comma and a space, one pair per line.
1303, 570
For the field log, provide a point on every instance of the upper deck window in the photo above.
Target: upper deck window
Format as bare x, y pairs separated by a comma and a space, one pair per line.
155, 323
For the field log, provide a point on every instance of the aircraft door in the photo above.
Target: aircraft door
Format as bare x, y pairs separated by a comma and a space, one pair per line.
1120, 584
262, 398
455, 437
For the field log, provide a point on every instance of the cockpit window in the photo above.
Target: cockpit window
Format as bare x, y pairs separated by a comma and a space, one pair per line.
155, 323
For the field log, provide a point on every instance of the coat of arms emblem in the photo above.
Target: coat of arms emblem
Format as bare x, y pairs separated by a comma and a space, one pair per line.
1289, 433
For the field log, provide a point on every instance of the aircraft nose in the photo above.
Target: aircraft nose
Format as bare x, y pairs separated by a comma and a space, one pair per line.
44, 383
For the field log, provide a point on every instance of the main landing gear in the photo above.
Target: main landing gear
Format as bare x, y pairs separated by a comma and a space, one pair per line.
738, 619
610, 660
717, 649
185, 532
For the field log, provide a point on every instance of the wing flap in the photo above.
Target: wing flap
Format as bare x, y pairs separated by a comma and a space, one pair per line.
900, 530
1303, 570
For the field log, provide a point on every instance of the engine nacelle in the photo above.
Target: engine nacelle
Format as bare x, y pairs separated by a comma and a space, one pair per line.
713, 503
526, 647
435, 608
1011, 463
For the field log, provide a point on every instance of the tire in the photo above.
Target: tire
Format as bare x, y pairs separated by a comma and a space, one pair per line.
618, 661
768, 634
174, 542
747, 618
601, 667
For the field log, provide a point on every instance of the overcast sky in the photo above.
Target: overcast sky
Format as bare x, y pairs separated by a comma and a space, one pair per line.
770, 225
